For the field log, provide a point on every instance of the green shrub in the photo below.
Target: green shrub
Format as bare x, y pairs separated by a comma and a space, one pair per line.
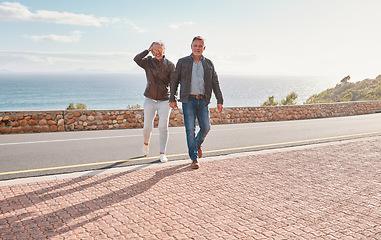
365, 90
80, 106
270, 102
132, 107
70, 107
289, 100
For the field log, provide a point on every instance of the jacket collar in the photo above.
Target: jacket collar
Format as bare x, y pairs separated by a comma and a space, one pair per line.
201, 58
158, 60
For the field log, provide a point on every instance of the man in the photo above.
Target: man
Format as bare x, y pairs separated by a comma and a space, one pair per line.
197, 78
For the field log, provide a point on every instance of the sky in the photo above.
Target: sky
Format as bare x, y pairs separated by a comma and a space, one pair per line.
247, 37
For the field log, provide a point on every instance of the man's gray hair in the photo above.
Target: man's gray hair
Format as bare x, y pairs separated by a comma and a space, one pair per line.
199, 38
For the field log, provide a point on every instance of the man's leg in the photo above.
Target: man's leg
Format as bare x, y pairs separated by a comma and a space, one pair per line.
203, 122
189, 111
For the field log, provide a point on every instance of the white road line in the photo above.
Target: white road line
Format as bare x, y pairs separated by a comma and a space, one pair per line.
76, 139
66, 140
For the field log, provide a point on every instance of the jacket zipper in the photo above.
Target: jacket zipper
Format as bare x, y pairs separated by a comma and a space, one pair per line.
157, 82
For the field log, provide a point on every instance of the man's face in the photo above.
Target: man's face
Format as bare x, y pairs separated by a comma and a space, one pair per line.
157, 52
197, 47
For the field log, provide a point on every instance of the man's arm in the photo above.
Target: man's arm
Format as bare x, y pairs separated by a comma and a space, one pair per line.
174, 85
217, 90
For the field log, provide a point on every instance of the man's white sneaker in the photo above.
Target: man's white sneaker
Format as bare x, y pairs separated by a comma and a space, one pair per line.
163, 158
145, 150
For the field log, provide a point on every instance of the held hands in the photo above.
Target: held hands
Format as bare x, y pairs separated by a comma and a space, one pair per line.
173, 104
220, 107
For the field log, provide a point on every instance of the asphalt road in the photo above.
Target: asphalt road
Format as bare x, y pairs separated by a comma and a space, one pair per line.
27, 155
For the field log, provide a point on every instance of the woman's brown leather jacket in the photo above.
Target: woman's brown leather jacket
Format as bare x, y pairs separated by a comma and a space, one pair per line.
159, 75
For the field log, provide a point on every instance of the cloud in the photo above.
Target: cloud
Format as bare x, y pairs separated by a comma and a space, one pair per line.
38, 61
17, 12
71, 55
175, 26
134, 26
74, 37
234, 58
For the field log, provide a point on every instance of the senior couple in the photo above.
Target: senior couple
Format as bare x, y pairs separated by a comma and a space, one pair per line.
197, 78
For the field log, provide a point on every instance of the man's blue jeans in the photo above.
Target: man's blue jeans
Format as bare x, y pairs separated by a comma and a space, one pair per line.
195, 108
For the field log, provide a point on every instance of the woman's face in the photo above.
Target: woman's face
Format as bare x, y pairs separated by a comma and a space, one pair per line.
157, 52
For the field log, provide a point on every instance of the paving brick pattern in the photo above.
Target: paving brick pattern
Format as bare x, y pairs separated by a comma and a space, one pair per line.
324, 192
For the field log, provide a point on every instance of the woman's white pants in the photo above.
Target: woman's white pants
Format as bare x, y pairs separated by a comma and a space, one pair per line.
150, 109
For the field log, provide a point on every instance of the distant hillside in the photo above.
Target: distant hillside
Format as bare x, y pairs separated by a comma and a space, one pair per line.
368, 89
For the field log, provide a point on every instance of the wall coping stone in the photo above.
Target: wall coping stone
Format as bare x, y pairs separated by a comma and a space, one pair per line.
37, 121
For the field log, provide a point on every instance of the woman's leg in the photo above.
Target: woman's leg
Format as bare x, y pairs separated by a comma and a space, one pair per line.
163, 110
149, 115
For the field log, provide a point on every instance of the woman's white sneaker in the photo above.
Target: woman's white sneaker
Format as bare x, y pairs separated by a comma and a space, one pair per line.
145, 150
163, 158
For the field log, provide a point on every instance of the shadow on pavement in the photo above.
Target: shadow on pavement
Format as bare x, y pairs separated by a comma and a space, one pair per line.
54, 223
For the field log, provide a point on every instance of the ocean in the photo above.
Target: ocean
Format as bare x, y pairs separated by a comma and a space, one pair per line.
113, 91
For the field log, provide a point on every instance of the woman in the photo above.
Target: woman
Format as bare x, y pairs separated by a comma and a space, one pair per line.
159, 72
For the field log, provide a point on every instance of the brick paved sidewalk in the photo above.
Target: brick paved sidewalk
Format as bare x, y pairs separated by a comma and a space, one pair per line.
328, 191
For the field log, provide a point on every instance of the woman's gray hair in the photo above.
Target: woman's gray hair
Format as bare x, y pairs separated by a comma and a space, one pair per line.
161, 44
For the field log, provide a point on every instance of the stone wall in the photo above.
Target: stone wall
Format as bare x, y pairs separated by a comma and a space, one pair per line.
81, 120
